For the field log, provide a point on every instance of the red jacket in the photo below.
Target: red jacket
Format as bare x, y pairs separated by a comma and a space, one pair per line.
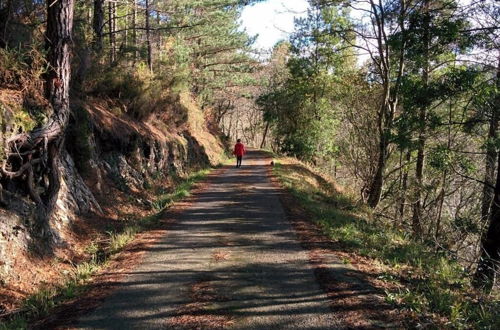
239, 149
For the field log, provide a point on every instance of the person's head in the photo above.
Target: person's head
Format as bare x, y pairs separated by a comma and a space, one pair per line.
239, 140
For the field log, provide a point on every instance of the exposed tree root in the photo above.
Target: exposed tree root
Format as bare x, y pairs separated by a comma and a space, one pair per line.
34, 156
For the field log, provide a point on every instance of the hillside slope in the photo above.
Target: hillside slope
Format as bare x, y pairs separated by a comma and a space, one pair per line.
114, 166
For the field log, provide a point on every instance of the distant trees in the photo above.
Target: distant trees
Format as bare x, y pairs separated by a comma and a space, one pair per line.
301, 105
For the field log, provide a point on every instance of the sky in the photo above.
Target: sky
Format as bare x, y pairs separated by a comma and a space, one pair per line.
272, 20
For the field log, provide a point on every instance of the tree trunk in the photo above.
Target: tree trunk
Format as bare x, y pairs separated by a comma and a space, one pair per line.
125, 33
8, 14
134, 30
98, 24
378, 179
489, 175
112, 37
484, 278
422, 138
59, 28
148, 38
441, 203
43, 145
263, 143
385, 118
419, 177
158, 33
389, 100
404, 186
491, 156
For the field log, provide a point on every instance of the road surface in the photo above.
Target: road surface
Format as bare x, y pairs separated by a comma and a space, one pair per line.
230, 260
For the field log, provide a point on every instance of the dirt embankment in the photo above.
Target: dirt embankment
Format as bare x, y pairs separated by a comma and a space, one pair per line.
113, 167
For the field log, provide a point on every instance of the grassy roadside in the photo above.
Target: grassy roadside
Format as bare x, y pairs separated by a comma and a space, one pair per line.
100, 252
430, 285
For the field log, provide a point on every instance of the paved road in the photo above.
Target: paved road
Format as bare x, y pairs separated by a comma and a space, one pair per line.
230, 260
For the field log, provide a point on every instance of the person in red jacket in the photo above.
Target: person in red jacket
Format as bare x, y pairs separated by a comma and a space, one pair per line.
239, 151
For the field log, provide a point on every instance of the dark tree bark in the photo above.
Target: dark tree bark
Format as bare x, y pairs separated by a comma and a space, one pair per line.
491, 156
489, 176
378, 179
485, 275
5, 27
98, 24
404, 186
263, 143
134, 30
59, 28
148, 38
42, 146
422, 134
112, 29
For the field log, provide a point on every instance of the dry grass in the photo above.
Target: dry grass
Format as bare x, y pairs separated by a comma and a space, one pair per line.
198, 128
311, 177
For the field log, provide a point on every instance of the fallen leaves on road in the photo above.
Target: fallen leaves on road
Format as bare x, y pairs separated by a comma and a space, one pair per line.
220, 256
197, 314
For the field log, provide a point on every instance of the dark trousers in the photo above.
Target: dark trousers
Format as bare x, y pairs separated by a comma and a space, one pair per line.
238, 160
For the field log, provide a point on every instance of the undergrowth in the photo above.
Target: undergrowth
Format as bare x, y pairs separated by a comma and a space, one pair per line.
76, 282
138, 89
21, 67
433, 286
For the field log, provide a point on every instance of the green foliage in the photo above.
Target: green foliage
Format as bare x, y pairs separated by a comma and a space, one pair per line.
23, 120
21, 67
119, 83
175, 65
301, 104
117, 241
139, 91
41, 302
441, 158
83, 272
433, 283
181, 190
15, 323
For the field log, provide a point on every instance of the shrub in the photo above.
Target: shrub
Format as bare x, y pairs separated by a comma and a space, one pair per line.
137, 89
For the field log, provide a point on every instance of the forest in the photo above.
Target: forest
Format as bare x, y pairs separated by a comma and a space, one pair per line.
412, 129
396, 101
